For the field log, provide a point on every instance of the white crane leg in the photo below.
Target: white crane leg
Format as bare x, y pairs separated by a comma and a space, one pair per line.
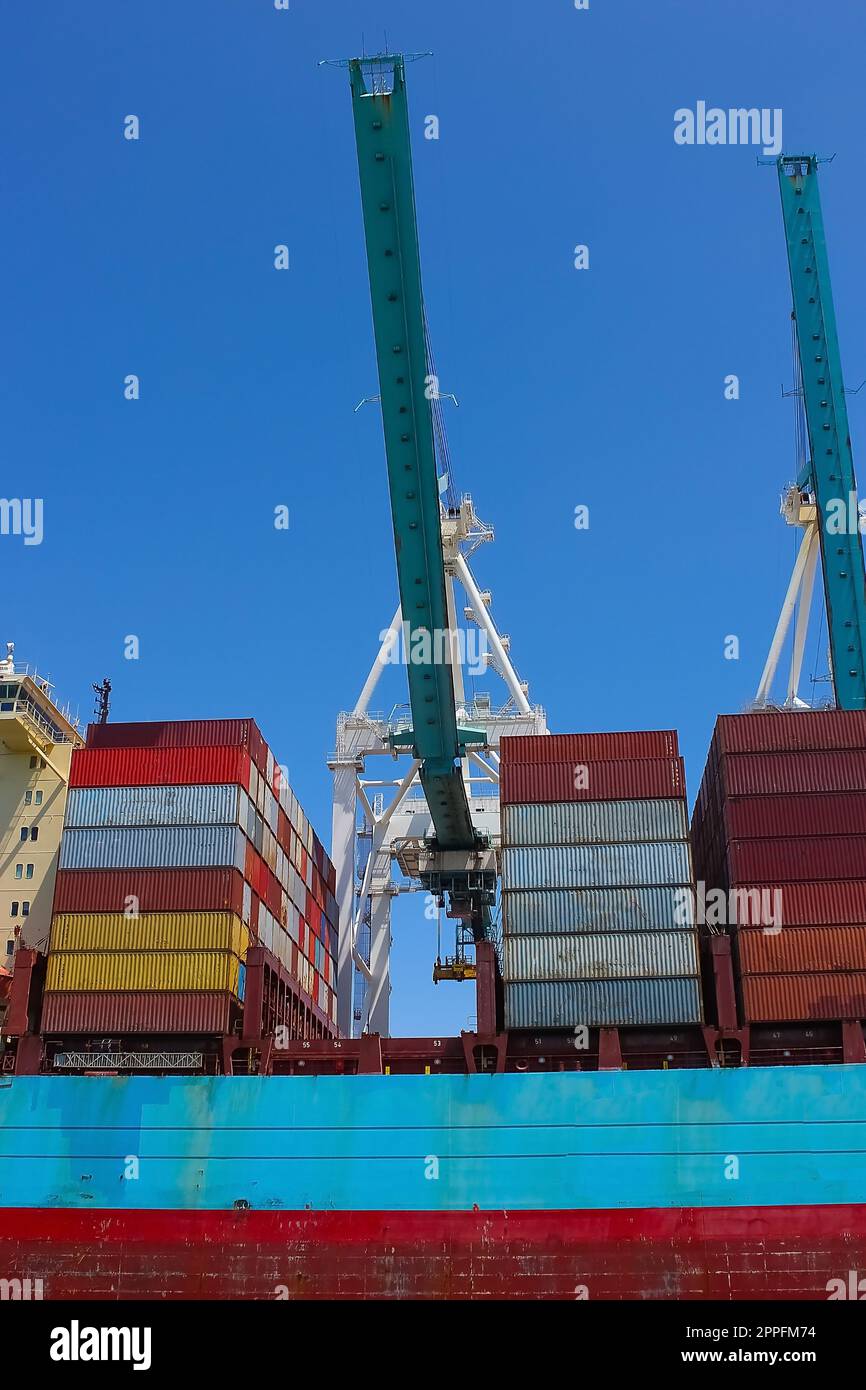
343, 855
464, 574
802, 624
376, 669
783, 624
377, 998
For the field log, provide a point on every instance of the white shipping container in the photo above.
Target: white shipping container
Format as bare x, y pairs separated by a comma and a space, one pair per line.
602, 1003
154, 847
193, 804
599, 866
266, 930
543, 911
611, 956
595, 822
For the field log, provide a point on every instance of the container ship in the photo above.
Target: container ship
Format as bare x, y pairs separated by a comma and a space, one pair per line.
664, 1094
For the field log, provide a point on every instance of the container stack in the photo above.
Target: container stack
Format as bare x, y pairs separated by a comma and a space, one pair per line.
780, 826
184, 845
596, 882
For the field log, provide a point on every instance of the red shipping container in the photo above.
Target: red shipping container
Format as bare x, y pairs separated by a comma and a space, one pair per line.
794, 817
259, 751
604, 781
284, 831
174, 733
138, 767
616, 747
769, 774
796, 861
822, 904
778, 731
786, 998
157, 890
122, 1012
798, 950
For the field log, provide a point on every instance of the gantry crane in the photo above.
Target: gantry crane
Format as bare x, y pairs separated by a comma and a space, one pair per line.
444, 841
823, 500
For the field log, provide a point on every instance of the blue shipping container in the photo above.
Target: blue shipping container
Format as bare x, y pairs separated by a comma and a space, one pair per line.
543, 911
180, 847
155, 805
602, 1003
596, 866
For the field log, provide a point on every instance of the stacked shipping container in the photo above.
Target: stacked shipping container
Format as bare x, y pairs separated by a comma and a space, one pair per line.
596, 882
780, 826
184, 845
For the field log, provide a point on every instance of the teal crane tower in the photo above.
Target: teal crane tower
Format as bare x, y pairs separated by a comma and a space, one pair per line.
380, 109
824, 500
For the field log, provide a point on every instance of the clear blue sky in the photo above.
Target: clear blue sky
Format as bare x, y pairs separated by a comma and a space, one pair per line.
602, 387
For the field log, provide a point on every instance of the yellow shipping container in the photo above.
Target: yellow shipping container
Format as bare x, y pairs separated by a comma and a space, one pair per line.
157, 970
151, 931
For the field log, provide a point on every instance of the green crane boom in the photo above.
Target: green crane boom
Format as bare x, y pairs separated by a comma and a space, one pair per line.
830, 468
393, 259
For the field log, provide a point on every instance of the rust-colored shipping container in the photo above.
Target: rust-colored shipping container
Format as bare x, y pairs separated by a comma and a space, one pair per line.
820, 904
133, 1012
797, 861
136, 767
616, 747
592, 781
795, 817
769, 774
174, 733
787, 998
787, 731
801, 950
157, 890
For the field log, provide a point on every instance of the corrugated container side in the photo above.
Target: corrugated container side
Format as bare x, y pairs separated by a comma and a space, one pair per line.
128, 1012
614, 747
769, 774
127, 767
142, 970
150, 931
786, 998
173, 733
546, 911
798, 950
820, 904
602, 1003
595, 866
780, 731
792, 817
216, 803
641, 779
594, 822
156, 890
797, 861
612, 956
182, 846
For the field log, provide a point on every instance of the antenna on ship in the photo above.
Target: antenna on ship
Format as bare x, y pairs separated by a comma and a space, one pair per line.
103, 701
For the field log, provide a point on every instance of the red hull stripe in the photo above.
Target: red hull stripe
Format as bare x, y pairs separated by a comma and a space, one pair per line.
706, 1253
